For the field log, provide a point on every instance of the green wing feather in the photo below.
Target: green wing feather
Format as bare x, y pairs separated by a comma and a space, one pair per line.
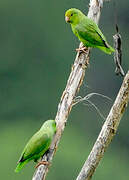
35, 148
40, 141
89, 33
38, 144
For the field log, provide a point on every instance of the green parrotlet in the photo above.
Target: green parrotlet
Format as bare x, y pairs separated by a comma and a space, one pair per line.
38, 144
87, 30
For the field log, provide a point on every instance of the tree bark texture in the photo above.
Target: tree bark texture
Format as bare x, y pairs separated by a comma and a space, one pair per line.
107, 133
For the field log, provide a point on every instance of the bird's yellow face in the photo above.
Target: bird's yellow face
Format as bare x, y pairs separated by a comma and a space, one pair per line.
72, 16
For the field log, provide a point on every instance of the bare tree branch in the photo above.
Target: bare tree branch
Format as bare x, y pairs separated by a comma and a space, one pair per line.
73, 84
118, 53
107, 133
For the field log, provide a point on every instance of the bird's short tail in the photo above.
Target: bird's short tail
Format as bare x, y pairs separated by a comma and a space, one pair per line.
20, 166
107, 50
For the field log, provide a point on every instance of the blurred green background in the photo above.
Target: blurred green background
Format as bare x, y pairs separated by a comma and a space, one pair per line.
37, 49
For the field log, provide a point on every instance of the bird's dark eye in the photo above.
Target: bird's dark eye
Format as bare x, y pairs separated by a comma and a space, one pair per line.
71, 14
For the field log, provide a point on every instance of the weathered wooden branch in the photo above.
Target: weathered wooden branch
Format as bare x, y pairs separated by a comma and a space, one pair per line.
73, 84
107, 133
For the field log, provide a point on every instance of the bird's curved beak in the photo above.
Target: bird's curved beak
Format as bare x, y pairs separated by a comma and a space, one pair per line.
67, 19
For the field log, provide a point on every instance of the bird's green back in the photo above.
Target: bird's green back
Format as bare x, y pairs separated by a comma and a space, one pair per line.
88, 33
38, 144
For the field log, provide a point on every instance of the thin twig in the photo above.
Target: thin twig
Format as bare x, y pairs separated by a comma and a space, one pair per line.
107, 133
80, 99
118, 53
73, 85
96, 108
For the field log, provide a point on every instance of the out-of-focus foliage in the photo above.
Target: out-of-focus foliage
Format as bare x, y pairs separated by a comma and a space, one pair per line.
37, 49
